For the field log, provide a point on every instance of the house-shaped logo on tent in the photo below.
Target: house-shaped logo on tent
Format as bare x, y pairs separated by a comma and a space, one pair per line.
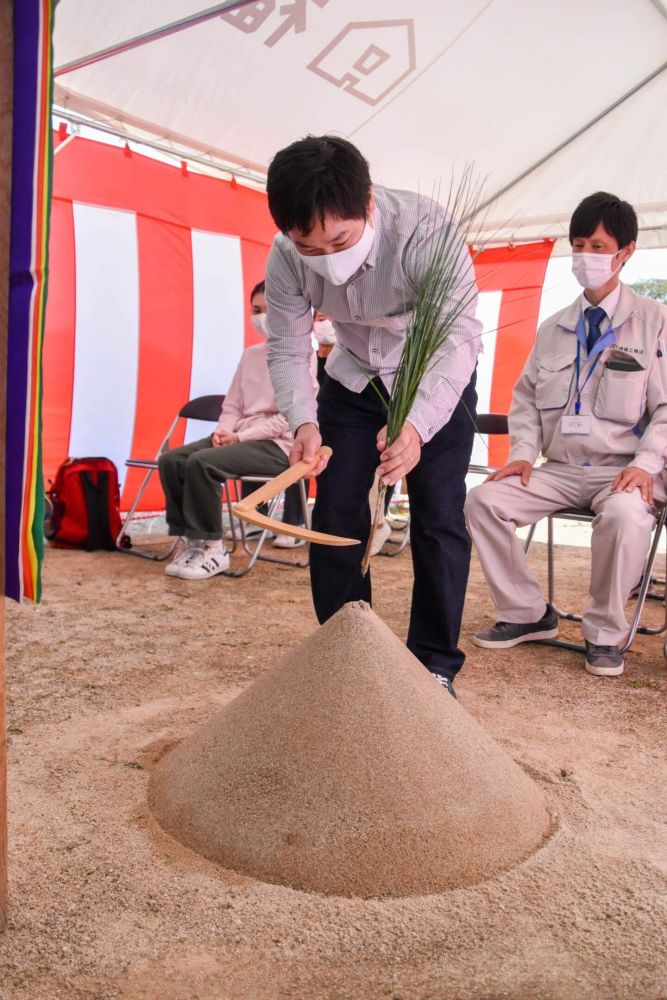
368, 59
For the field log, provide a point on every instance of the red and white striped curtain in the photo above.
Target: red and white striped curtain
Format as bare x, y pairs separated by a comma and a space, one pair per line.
152, 267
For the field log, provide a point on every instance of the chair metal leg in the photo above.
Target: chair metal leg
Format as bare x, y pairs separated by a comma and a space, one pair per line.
550, 561
635, 626
399, 545
577, 647
393, 547
303, 494
254, 547
551, 580
529, 537
229, 485
256, 553
299, 563
643, 591
142, 464
130, 550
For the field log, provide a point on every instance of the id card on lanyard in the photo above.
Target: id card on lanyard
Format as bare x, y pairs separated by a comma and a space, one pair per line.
580, 423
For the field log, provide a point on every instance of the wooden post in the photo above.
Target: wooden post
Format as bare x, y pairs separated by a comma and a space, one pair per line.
6, 53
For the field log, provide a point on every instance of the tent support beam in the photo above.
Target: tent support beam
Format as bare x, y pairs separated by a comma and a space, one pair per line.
575, 135
151, 36
660, 5
239, 172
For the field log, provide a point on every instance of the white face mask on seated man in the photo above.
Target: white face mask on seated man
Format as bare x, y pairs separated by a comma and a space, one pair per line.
593, 270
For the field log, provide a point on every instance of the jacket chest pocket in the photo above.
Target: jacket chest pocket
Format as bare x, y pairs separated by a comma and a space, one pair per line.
554, 381
621, 396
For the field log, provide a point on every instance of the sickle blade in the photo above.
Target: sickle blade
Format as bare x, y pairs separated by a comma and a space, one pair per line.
246, 509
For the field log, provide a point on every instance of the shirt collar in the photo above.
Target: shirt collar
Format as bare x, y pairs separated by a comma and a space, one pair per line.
609, 302
376, 223
622, 308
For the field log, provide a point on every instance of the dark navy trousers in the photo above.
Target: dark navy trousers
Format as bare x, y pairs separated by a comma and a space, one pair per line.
349, 423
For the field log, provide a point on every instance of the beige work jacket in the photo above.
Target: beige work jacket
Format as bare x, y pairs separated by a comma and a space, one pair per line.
625, 396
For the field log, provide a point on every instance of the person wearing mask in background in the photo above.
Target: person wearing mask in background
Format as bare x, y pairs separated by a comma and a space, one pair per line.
592, 399
352, 251
325, 335
292, 508
251, 438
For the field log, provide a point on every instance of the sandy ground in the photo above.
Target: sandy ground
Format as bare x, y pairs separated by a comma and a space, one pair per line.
119, 662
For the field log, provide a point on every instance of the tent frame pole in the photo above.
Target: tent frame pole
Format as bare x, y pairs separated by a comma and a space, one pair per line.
239, 172
575, 135
151, 36
659, 5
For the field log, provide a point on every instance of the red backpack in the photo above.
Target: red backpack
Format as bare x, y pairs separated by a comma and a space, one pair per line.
85, 505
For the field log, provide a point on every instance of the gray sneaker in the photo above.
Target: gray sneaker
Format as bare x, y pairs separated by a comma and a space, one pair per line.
603, 661
503, 635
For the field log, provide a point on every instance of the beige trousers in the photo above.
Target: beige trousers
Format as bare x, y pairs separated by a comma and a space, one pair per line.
621, 537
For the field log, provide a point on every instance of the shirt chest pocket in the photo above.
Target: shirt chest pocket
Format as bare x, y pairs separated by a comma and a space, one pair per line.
398, 323
554, 381
621, 396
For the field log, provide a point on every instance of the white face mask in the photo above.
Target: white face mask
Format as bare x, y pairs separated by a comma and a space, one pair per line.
324, 332
258, 320
339, 267
593, 270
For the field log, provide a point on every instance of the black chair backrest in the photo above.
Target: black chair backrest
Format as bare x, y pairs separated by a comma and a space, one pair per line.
491, 423
202, 408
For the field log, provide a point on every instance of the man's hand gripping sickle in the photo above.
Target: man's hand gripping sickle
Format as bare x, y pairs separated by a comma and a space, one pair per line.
307, 442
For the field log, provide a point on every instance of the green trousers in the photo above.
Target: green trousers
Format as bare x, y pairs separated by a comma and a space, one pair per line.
191, 478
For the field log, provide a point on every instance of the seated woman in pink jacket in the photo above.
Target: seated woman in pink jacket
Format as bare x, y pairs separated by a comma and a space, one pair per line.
251, 438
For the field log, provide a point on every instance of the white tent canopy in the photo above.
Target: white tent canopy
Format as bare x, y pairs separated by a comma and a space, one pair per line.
549, 100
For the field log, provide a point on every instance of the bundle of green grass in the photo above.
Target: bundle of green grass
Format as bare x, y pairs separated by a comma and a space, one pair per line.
346, 769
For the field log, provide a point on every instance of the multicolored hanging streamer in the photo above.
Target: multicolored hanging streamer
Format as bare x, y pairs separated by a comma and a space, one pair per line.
32, 156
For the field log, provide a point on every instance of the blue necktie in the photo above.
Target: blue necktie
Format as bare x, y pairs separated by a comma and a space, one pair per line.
594, 315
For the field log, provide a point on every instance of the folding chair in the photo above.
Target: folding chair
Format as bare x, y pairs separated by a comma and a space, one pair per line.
201, 408
486, 423
496, 423
400, 527
587, 515
256, 552
489, 423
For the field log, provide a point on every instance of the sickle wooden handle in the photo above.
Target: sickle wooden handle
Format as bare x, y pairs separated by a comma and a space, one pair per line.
246, 509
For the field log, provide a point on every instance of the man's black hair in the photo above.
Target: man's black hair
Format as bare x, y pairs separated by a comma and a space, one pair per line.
618, 218
257, 289
314, 177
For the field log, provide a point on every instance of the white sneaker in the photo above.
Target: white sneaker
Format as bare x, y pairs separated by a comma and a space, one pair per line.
381, 535
207, 561
287, 542
182, 557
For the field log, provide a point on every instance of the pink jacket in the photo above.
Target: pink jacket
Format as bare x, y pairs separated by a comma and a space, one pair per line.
249, 409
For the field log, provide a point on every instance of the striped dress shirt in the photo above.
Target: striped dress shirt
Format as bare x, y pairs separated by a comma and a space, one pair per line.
370, 313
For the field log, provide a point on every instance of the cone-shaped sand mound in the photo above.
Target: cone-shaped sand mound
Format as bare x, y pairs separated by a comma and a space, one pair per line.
347, 769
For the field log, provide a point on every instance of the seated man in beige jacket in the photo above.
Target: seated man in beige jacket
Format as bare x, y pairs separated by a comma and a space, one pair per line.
592, 400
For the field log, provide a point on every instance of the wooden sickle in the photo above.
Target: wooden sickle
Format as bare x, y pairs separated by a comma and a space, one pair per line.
246, 509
